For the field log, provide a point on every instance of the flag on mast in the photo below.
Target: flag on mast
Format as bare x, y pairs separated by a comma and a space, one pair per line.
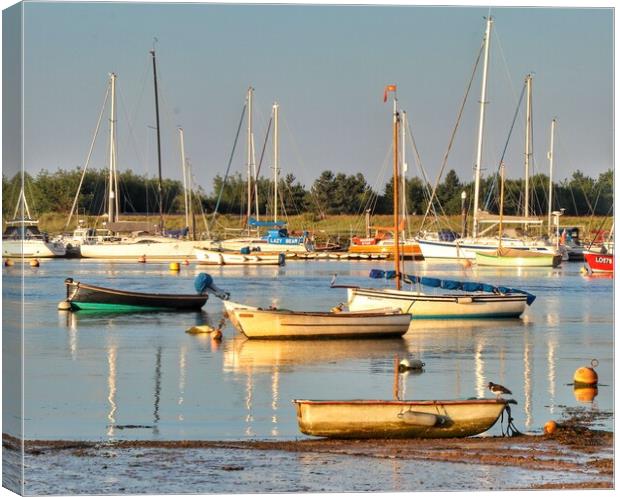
388, 88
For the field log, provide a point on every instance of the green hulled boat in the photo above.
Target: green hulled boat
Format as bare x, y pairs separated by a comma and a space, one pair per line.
509, 257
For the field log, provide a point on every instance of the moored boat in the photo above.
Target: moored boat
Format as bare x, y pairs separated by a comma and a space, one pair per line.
82, 296
239, 258
286, 324
398, 418
599, 262
505, 257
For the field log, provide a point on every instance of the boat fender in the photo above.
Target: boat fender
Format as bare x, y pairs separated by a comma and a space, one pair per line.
464, 300
420, 418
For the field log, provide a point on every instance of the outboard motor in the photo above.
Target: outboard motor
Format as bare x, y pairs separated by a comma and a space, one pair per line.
203, 283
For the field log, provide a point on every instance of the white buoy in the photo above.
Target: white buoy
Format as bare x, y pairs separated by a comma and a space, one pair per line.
63, 305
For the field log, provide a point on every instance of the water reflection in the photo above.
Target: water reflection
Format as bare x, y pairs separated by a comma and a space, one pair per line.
157, 392
111, 388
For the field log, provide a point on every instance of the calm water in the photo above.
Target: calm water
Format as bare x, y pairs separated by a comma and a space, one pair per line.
131, 376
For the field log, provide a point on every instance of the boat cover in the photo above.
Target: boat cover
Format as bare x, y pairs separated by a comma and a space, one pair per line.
254, 222
466, 286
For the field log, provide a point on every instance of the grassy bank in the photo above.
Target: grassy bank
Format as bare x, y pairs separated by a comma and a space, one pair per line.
342, 226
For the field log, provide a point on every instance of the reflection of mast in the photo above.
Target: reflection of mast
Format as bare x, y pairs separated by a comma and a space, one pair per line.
249, 389
551, 346
479, 365
111, 389
527, 382
182, 370
275, 390
157, 391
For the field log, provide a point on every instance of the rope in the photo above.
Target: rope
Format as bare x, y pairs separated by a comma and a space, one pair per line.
511, 429
232, 153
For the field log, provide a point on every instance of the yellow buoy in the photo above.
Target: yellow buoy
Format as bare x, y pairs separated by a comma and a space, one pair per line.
8, 262
205, 328
585, 395
34, 263
142, 259
550, 427
586, 376
583, 270
174, 266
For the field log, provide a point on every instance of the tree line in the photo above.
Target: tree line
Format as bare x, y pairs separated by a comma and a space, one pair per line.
330, 194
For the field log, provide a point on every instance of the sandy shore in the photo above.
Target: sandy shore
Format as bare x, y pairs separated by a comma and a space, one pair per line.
573, 457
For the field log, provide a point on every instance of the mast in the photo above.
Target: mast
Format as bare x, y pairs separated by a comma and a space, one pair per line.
159, 182
395, 189
249, 155
403, 126
184, 169
483, 97
528, 146
275, 162
190, 200
501, 209
550, 156
113, 183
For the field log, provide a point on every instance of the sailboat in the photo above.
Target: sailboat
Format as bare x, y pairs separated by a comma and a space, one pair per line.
22, 238
278, 238
145, 239
514, 257
500, 302
445, 245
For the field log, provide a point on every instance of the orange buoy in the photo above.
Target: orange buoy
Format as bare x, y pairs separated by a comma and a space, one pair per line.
142, 259
550, 427
174, 266
217, 335
586, 376
34, 263
8, 262
585, 395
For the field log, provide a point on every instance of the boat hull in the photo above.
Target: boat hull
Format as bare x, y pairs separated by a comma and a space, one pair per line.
599, 263
406, 249
467, 249
428, 306
32, 248
397, 419
82, 296
263, 245
527, 259
280, 324
166, 249
225, 258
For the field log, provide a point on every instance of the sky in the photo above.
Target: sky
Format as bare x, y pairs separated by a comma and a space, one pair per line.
327, 67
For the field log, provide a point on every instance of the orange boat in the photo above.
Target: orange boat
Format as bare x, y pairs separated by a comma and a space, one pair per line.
383, 243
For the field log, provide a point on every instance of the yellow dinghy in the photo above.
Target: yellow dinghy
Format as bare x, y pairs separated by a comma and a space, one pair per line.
398, 418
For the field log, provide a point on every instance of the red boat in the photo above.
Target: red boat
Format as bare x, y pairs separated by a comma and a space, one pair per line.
598, 262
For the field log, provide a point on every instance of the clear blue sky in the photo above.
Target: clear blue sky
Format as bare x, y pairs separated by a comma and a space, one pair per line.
327, 67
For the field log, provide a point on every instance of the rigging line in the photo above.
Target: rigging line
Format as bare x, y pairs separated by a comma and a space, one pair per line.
260, 161
501, 160
232, 153
88, 156
454, 130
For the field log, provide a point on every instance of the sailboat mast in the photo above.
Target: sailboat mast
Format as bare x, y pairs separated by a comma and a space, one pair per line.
550, 177
501, 208
396, 205
528, 146
184, 169
249, 156
112, 212
403, 126
275, 162
159, 181
483, 101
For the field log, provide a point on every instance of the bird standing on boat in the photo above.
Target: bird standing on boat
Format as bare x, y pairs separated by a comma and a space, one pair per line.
498, 390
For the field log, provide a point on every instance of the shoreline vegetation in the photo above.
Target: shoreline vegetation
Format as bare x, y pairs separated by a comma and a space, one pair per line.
335, 203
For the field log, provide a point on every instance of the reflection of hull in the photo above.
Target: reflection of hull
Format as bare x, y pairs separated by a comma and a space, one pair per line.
599, 263
517, 258
32, 248
267, 353
397, 419
278, 324
447, 306
225, 258
89, 297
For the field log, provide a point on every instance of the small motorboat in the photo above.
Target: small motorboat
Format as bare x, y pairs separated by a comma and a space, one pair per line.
398, 418
512, 257
239, 257
255, 322
82, 296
